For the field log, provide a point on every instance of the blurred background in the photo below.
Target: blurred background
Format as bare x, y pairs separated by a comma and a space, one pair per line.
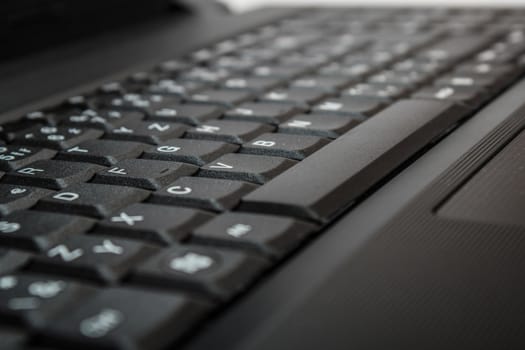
244, 5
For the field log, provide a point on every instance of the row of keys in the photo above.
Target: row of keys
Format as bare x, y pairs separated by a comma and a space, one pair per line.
160, 224
153, 175
108, 259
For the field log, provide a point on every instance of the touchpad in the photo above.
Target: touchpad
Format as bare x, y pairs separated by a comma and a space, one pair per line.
496, 194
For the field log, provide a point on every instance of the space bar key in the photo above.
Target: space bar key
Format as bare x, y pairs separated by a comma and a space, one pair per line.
331, 179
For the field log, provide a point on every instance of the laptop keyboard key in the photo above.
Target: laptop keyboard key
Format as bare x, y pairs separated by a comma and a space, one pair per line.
151, 132
14, 157
252, 84
144, 173
203, 193
198, 152
295, 147
33, 300
36, 231
298, 96
379, 91
268, 113
91, 258
145, 103
92, 200
326, 83
155, 223
226, 98
330, 126
274, 71
116, 319
176, 88
55, 137
103, 152
52, 174
191, 114
217, 273
103, 120
351, 106
12, 261
271, 236
228, 131
13, 197
244, 167
467, 96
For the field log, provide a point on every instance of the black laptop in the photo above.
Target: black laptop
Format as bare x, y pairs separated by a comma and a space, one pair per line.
175, 176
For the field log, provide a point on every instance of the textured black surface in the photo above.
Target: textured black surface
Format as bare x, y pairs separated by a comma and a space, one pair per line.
496, 194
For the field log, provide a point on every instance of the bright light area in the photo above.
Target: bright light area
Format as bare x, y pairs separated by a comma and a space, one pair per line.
242, 5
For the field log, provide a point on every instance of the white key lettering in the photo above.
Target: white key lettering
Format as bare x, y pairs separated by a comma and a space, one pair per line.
125, 218
238, 230
221, 166
108, 247
30, 171
168, 149
119, 171
101, 324
9, 227
264, 143
67, 196
46, 289
179, 190
191, 263
65, 253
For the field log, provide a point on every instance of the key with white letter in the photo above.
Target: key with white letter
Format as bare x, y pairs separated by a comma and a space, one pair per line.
160, 224
33, 299
219, 273
295, 147
52, 174
116, 316
198, 152
101, 259
92, 200
228, 131
203, 193
143, 173
13, 197
34, 230
103, 152
152, 132
244, 167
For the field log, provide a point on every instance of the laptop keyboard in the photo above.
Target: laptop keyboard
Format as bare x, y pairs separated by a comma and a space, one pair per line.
131, 214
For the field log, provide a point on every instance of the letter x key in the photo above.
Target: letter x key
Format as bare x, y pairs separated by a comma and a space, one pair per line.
125, 218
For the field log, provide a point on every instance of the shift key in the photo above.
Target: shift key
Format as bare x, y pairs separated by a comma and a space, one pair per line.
324, 184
